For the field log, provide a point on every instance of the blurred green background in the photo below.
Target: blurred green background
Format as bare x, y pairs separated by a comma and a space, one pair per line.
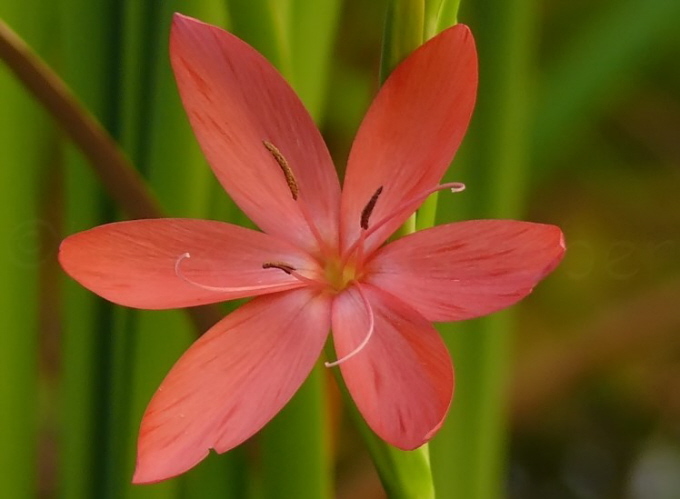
577, 124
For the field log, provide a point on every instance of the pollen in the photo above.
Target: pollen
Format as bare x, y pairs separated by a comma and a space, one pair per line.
370, 206
288, 269
285, 167
339, 275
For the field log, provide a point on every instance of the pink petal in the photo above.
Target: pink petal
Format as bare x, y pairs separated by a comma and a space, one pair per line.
231, 382
411, 132
467, 269
235, 100
135, 263
402, 381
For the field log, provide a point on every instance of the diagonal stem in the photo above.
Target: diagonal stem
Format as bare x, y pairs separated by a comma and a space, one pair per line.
115, 171
121, 180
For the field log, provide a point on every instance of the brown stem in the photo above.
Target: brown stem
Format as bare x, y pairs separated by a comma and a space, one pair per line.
121, 180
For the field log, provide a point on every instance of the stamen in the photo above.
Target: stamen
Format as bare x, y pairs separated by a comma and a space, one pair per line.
452, 186
288, 269
371, 327
295, 191
291, 271
368, 209
218, 289
287, 172
366, 232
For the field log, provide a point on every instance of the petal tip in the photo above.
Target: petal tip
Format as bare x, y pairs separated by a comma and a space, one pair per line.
149, 470
178, 18
142, 478
562, 243
145, 475
183, 22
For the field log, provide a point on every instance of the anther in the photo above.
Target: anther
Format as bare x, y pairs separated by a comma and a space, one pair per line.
292, 271
409, 204
287, 172
240, 290
451, 186
370, 206
288, 269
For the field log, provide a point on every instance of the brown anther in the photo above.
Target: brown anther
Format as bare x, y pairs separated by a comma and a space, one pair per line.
368, 209
288, 269
287, 172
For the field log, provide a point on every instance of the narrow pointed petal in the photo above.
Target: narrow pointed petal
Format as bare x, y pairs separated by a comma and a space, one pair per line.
411, 132
139, 263
231, 382
235, 101
467, 269
402, 380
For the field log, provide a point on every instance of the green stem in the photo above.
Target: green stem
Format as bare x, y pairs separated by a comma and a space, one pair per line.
315, 20
404, 24
468, 455
403, 33
439, 15
296, 36
404, 474
264, 25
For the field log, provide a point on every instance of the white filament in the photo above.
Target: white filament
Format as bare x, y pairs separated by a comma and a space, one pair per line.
452, 186
371, 327
306, 280
218, 289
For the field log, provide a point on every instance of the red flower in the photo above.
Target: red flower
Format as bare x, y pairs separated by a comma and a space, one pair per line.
320, 263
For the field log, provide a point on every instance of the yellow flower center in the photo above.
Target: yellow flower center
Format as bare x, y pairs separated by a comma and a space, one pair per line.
339, 275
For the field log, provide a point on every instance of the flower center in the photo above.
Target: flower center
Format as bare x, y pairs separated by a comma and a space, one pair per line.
339, 275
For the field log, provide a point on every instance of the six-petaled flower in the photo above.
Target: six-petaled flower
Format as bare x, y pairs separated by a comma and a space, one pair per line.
320, 263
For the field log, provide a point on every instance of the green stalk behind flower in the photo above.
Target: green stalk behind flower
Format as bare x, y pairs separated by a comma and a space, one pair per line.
297, 38
469, 453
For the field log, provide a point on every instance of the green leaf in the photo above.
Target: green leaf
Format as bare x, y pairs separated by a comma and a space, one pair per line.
265, 25
404, 25
301, 432
439, 15
312, 30
81, 462
468, 455
404, 474
403, 34
27, 142
301, 429
582, 82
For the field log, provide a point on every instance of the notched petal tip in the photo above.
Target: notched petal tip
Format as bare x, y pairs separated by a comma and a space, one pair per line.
267, 348
148, 474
